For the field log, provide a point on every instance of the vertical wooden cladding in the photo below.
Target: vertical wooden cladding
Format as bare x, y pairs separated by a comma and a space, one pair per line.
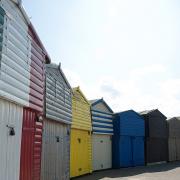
11, 116
128, 139
174, 138
155, 124
37, 77
156, 130
55, 151
56, 128
102, 124
81, 139
81, 153
31, 146
102, 151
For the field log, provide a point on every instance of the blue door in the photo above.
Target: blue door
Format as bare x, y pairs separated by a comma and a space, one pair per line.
125, 146
138, 151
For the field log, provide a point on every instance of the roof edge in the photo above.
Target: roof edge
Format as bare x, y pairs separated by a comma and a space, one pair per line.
58, 67
78, 89
104, 102
19, 4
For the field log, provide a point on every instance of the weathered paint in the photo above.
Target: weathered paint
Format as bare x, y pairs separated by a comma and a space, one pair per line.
55, 151
31, 146
58, 105
102, 117
80, 111
80, 152
102, 151
11, 116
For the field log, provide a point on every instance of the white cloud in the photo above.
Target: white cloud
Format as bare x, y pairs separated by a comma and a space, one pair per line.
123, 94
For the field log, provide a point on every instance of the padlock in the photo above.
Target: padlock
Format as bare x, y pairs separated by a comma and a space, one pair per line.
11, 131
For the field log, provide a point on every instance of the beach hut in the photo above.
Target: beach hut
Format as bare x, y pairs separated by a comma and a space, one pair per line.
174, 138
102, 125
81, 139
22, 64
156, 142
56, 125
128, 139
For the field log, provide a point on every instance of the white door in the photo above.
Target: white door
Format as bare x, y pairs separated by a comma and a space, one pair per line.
55, 151
11, 116
102, 152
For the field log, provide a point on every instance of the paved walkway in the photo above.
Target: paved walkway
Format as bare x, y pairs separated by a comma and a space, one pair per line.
170, 171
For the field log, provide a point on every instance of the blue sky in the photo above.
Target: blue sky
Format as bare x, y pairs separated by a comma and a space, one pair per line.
123, 50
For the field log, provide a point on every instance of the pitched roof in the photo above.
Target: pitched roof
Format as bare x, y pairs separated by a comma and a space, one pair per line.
27, 19
58, 68
96, 101
172, 118
93, 101
129, 111
146, 112
79, 90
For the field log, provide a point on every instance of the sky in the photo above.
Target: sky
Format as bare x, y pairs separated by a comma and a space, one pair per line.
126, 51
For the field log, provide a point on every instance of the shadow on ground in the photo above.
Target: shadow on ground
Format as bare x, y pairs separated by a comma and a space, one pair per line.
126, 172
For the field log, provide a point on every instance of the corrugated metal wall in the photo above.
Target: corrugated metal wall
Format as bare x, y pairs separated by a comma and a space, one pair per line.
58, 95
55, 153
174, 139
80, 111
15, 55
102, 151
11, 116
81, 152
128, 139
31, 146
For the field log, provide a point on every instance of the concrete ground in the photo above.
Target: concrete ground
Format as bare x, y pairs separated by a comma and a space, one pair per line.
169, 171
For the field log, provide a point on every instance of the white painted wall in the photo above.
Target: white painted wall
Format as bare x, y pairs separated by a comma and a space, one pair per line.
102, 151
11, 115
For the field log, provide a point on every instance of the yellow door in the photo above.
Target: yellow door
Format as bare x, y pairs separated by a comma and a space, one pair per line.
81, 155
